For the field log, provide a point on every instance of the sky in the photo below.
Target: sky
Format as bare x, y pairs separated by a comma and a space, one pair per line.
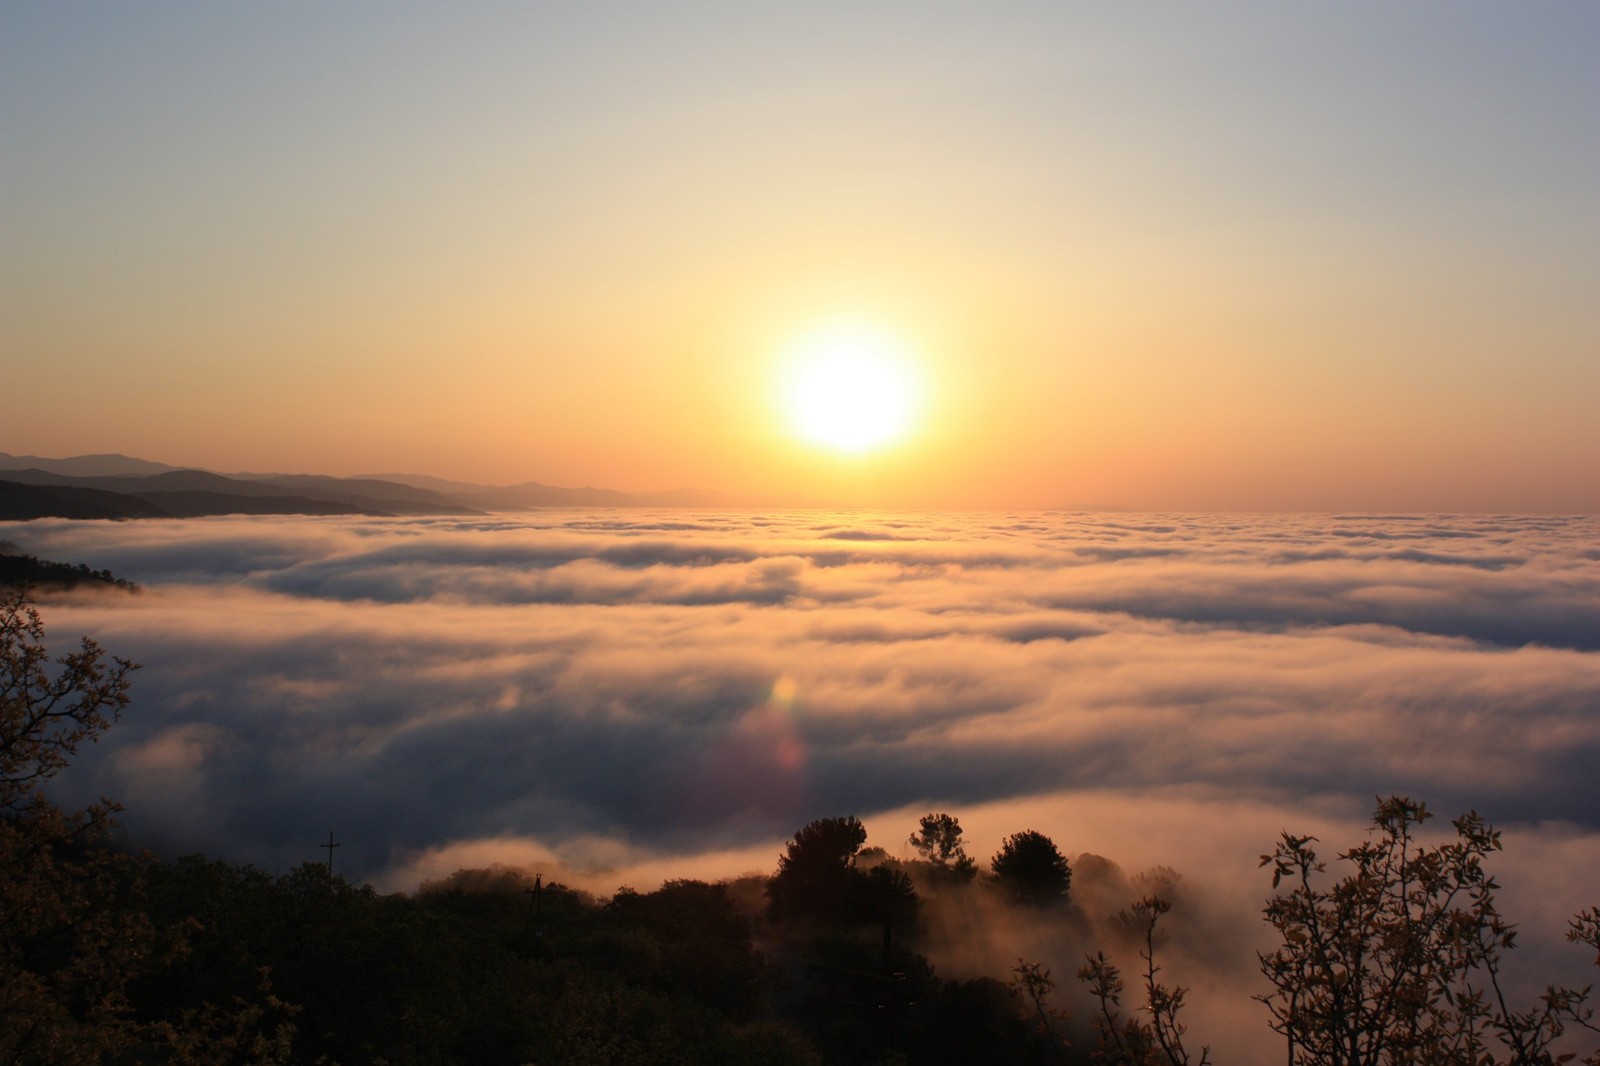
618, 698
1233, 256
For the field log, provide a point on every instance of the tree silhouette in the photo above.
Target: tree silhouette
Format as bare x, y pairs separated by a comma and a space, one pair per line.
1157, 1038
704, 943
1399, 961
938, 841
72, 937
1029, 866
882, 895
814, 872
45, 714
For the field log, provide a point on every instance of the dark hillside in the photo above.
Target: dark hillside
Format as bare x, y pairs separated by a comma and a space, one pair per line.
169, 481
191, 493
19, 503
198, 504
389, 496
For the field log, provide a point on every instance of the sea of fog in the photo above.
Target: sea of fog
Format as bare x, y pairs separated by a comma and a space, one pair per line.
616, 697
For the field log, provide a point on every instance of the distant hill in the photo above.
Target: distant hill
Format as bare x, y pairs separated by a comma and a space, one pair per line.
22, 502
86, 465
19, 503
121, 486
392, 496
197, 503
531, 495
194, 493
166, 481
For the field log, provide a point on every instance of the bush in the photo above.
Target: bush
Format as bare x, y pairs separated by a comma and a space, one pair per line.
1032, 869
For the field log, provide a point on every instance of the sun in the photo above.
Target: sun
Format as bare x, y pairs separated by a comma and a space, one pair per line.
849, 387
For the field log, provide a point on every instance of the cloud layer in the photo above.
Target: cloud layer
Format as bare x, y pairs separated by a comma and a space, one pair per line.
618, 690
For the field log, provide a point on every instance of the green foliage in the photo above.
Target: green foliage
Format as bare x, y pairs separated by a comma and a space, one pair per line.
1029, 866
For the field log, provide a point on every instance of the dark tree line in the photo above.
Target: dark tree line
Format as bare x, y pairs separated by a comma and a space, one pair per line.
18, 568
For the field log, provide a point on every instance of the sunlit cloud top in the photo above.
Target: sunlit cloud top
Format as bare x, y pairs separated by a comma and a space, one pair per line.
710, 681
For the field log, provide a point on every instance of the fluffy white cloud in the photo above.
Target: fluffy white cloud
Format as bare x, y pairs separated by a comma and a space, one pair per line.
624, 692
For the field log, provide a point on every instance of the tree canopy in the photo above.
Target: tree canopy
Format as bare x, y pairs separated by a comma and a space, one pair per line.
1029, 865
73, 936
48, 707
1397, 962
814, 872
938, 841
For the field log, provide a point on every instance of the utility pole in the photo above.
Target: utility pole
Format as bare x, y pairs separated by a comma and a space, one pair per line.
330, 845
536, 909
891, 994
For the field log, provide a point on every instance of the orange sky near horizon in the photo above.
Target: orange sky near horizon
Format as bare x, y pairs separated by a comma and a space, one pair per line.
1193, 262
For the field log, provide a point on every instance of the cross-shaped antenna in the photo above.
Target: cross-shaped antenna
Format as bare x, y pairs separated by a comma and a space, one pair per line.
536, 897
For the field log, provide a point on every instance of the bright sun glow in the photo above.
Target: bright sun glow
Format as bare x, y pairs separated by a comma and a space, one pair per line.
849, 387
